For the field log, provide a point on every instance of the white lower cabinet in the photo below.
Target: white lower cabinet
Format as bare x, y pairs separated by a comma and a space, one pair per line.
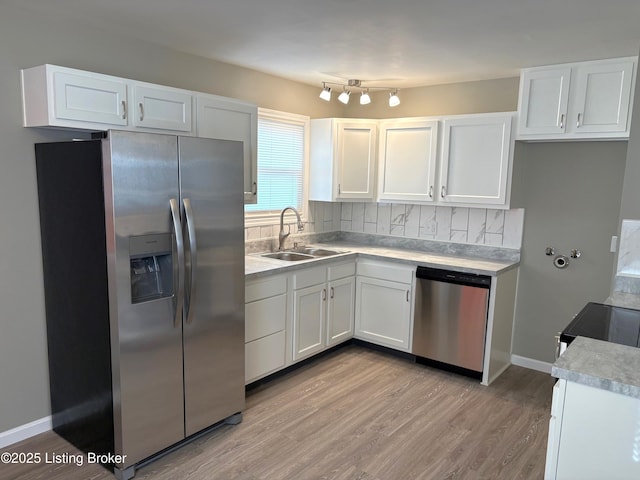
322, 308
341, 310
591, 436
265, 326
384, 295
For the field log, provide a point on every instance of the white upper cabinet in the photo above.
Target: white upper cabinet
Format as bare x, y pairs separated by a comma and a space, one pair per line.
54, 96
229, 119
342, 160
476, 158
407, 160
577, 101
63, 97
161, 108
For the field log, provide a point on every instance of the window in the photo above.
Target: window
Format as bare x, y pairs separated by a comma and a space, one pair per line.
282, 160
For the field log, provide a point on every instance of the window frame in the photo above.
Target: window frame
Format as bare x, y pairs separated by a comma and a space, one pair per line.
262, 218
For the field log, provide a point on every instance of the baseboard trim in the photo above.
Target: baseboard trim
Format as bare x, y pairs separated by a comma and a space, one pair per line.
25, 431
531, 363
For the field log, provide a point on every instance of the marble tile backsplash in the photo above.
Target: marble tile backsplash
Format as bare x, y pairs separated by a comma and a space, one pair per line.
628, 270
474, 226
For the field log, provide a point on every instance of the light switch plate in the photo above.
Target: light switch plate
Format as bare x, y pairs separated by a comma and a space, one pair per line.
614, 244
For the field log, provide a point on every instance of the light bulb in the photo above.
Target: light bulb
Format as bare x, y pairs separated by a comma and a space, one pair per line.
344, 96
365, 99
394, 101
325, 94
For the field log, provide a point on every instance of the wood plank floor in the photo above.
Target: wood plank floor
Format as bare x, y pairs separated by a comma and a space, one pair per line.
356, 414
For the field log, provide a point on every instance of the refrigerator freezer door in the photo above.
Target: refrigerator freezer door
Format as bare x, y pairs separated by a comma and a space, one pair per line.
141, 177
211, 173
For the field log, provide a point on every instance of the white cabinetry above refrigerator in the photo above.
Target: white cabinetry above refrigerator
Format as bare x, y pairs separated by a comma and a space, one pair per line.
56, 96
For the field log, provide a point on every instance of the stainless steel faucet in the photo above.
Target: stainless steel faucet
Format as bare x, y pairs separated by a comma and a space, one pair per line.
282, 236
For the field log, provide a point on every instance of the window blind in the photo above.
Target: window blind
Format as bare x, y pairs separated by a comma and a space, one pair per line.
280, 165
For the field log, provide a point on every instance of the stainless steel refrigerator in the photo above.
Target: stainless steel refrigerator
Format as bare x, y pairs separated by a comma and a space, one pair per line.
143, 260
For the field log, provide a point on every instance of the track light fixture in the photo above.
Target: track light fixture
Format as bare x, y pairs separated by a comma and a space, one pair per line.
325, 94
344, 96
356, 85
394, 101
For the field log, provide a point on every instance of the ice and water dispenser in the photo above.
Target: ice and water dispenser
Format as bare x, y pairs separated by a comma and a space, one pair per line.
151, 267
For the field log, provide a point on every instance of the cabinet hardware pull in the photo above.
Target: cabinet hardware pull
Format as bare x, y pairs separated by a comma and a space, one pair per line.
562, 121
443, 191
578, 122
331, 292
324, 294
408, 295
141, 111
124, 110
430, 191
339, 189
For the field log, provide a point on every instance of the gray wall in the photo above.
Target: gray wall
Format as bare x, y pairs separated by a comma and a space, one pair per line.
630, 207
27, 39
571, 194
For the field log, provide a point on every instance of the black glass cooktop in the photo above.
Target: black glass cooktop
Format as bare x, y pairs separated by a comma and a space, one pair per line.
605, 322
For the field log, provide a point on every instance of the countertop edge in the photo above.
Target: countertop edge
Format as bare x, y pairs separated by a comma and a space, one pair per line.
263, 267
599, 364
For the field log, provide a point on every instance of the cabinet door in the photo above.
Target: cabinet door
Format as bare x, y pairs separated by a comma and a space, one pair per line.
383, 312
599, 435
602, 97
264, 356
308, 320
544, 96
340, 312
475, 166
407, 164
90, 98
356, 152
226, 119
161, 108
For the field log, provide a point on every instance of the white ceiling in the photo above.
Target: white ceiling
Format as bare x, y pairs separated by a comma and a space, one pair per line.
399, 43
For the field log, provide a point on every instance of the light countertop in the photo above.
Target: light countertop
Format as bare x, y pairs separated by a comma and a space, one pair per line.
258, 266
600, 364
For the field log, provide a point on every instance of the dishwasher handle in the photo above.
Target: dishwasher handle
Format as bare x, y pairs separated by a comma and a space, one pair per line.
458, 278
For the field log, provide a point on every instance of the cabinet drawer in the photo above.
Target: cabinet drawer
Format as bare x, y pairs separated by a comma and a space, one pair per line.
269, 287
264, 356
310, 276
341, 270
265, 317
386, 271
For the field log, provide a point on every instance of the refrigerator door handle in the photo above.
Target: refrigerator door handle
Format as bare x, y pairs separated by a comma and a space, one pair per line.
177, 230
193, 252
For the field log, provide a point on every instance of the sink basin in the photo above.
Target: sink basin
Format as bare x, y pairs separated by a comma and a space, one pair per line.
288, 256
316, 252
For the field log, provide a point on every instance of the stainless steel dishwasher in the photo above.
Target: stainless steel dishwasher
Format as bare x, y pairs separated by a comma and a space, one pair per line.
450, 320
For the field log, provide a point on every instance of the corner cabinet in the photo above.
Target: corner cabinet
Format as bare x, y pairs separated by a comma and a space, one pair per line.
342, 159
56, 96
577, 101
476, 158
229, 119
323, 311
384, 299
407, 160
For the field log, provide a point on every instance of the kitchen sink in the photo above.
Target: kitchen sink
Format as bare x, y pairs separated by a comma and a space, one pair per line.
288, 256
301, 253
316, 252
